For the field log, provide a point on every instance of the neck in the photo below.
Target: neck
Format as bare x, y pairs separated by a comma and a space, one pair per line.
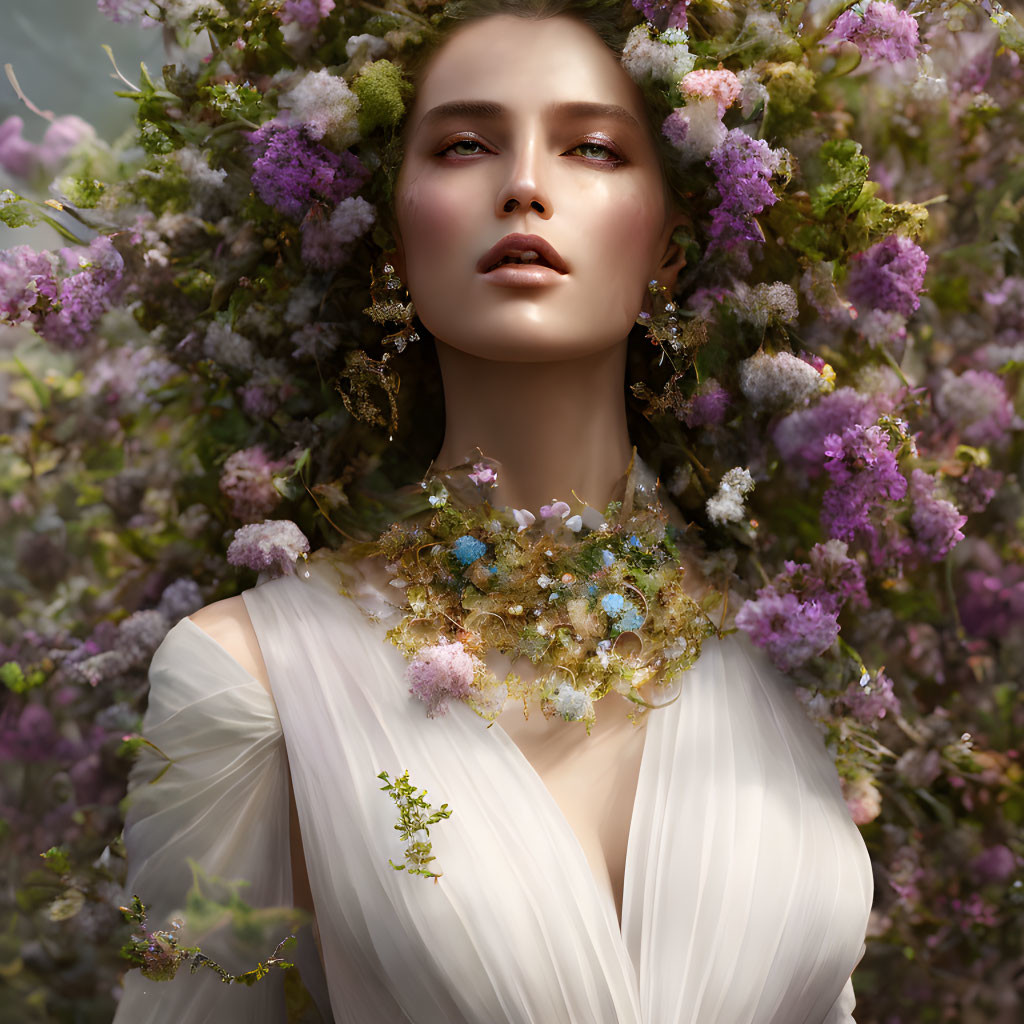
555, 427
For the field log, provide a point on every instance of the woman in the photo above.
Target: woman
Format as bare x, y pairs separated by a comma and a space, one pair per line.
700, 868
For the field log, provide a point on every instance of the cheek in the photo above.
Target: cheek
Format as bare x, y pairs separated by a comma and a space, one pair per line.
624, 231
432, 222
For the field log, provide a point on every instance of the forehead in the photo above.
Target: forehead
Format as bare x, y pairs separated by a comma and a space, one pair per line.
505, 58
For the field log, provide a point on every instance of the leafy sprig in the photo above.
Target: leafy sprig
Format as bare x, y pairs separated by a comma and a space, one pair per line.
415, 816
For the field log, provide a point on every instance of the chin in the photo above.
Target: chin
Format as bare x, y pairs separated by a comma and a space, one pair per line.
530, 345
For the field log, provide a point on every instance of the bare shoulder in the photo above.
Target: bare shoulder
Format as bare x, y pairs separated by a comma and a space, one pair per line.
229, 624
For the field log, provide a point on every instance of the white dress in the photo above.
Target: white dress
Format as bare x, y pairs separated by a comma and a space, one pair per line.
747, 885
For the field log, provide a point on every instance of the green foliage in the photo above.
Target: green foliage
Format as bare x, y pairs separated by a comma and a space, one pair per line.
382, 90
415, 816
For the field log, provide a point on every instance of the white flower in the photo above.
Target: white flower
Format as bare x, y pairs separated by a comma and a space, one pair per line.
880, 327
206, 183
326, 105
696, 129
766, 303
752, 92
782, 379
351, 218
524, 518
726, 506
571, 704
368, 46
544, 582
225, 346
439, 499
666, 57
575, 523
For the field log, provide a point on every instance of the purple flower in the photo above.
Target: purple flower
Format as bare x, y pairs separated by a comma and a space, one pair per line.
936, 522
25, 159
996, 864
26, 276
180, 598
864, 474
991, 600
977, 404
882, 33
889, 276
790, 630
29, 736
663, 13
248, 480
326, 239
800, 436
308, 13
269, 386
273, 545
743, 169
126, 11
439, 673
292, 171
84, 296
871, 699
831, 577
707, 405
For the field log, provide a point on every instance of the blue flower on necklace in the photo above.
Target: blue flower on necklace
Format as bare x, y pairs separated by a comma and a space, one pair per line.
630, 618
468, 549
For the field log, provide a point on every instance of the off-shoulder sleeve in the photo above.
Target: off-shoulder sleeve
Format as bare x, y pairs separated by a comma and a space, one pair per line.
222, 802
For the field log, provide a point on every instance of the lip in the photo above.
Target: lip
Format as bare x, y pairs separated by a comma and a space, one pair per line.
520, 243
521, 275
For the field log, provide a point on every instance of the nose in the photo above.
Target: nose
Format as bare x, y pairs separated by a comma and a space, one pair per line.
523, 190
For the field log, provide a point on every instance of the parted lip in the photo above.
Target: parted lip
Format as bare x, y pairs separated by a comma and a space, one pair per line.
514, 244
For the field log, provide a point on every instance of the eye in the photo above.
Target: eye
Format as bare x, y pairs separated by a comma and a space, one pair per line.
462, 147
597, 152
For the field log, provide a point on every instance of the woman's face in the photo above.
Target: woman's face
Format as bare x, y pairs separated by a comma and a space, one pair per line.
525, 127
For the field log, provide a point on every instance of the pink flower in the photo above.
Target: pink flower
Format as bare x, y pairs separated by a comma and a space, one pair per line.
557, 508
882, 33
273, 545
24, 159
307, 13
862, 799
483, 474
439, 673
248, 480
722, 86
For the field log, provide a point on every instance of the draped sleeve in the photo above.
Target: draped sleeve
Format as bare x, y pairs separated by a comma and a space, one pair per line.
222, 802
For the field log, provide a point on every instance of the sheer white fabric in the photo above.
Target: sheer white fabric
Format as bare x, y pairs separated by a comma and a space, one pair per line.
747, 885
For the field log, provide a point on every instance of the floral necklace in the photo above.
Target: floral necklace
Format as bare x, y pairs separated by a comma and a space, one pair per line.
594, 600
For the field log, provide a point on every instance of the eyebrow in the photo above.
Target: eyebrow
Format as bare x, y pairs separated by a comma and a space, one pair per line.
493, 111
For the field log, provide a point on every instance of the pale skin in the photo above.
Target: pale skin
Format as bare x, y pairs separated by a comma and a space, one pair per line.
533, 376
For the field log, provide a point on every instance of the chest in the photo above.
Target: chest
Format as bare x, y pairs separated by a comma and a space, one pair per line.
593, 779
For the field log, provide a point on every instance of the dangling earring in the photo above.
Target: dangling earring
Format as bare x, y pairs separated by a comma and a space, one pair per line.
661, 321
387, 307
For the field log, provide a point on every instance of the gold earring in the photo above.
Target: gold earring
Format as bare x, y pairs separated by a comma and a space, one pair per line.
661, 321
387, 307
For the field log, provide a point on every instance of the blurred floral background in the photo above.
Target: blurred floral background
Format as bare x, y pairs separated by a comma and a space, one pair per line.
840, 410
